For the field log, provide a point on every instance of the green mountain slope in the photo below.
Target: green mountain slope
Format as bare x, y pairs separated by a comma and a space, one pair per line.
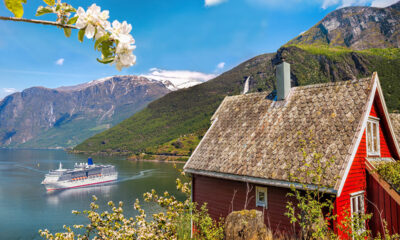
178, 113
188, 111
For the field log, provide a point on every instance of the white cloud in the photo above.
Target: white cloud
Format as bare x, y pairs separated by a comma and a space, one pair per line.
221, 65
60, 62
344, 3
179, 78
213, 2
382, 3
6, 91
9, 90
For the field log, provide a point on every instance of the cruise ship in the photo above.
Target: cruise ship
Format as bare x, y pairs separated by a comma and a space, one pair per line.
82, 175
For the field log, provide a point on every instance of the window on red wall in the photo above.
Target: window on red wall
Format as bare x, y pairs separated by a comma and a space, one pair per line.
261, 197
373, 137
357, 212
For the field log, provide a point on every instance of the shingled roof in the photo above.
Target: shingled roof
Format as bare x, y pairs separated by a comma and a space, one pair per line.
395, 119
255, 136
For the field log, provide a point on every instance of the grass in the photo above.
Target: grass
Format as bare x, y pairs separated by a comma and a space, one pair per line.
182, 146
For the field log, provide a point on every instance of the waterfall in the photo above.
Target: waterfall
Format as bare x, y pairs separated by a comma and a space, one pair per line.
246, 85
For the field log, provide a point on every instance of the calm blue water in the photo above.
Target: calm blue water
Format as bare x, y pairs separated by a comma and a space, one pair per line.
26, 207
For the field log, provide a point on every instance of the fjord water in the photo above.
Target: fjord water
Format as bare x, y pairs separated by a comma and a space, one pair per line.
26, 207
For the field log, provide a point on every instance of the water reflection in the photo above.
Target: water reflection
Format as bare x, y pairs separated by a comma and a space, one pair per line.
55, 197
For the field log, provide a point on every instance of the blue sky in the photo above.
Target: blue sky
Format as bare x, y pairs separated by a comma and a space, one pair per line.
202, 36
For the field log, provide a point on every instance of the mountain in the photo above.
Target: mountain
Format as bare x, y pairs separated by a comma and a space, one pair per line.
357, 28
188, 111
175, 123
39, 117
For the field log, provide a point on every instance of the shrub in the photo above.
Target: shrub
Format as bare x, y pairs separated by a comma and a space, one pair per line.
391, 173
308, 205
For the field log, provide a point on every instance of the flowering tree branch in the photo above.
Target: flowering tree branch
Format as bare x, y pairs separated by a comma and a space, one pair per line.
114, 41
37, 22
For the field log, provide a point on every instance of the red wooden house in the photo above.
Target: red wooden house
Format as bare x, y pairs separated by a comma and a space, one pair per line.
243, 160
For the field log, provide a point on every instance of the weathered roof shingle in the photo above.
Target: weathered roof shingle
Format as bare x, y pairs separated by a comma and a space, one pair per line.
395, 119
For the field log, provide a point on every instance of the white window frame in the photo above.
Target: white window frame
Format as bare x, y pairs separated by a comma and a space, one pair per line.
259, 203
357, 199
370, 152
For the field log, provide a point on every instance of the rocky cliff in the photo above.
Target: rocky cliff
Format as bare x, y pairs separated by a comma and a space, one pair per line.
357, 28
39, 117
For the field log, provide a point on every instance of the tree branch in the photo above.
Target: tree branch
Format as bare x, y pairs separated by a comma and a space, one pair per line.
37, 22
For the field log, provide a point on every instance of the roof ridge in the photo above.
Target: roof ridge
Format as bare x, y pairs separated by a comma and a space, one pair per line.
250, 94
330, 84
318, 85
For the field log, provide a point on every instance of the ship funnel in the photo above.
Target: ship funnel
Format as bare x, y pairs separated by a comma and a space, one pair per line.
90, 161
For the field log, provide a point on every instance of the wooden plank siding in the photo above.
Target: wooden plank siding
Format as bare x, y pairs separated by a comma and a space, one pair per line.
355, 182
383, 131
224, 196
384, 204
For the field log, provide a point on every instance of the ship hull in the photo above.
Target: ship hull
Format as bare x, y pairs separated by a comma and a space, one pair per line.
80, 183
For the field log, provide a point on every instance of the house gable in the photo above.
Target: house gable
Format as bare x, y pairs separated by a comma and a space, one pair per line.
376, 107
358, 180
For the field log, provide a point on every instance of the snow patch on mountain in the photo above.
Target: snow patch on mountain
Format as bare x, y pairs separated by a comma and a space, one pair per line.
178, 79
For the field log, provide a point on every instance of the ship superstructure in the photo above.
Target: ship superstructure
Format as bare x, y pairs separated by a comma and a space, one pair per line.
83, 174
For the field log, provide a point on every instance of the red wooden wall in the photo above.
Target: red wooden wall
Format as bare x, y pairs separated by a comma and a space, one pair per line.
383, 207
355, 182
358, 180
383, 132
221, 200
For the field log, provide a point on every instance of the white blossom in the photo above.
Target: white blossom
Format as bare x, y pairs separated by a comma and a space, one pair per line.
96, 25
93, 19
121, 32
102, 31
124, 56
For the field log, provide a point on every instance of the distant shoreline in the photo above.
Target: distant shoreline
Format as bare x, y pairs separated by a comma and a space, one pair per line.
154, 160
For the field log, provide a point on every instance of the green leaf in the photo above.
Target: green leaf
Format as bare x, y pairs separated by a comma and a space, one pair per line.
81, 34
67, 32
15, 6
72, 20
50, 2
43, 10
106, 60
106, 50
100, 41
